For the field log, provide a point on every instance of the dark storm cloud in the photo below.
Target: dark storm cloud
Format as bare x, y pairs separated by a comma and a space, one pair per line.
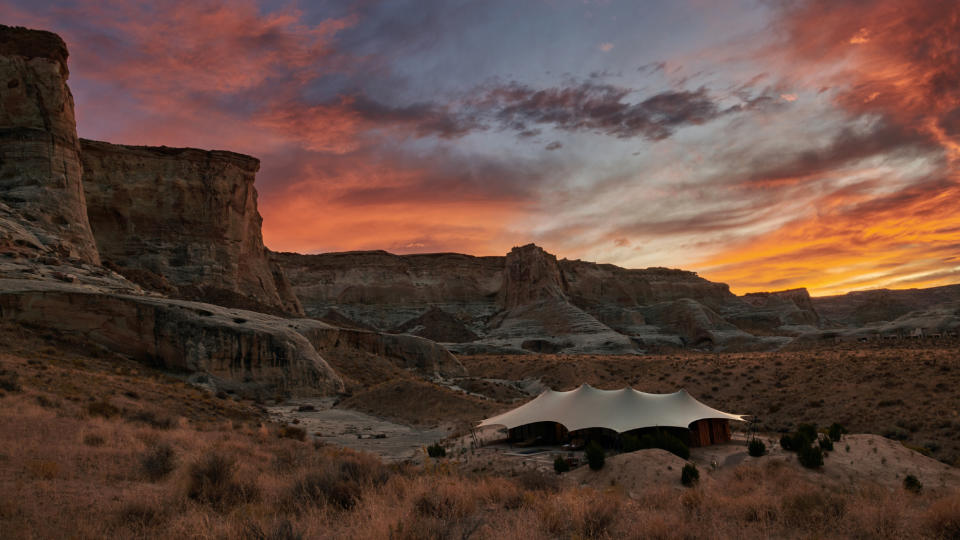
599, 108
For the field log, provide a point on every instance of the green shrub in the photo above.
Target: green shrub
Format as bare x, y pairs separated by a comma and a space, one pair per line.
786, 442
810, 457
595, 455
911, 483
756, 448
807, 432
826, 444
158, 462
436, 450
689, 475
836, 432
560, 465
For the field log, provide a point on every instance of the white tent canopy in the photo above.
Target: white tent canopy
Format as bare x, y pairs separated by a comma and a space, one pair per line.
620, 410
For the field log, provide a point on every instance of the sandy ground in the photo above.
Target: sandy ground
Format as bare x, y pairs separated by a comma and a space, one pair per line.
357, 430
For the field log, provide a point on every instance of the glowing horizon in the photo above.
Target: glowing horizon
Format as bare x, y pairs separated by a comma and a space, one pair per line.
767, 146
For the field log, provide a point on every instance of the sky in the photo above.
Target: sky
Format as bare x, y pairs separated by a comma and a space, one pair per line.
767, 144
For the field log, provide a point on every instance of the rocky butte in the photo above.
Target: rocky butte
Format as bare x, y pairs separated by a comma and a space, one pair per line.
155, 252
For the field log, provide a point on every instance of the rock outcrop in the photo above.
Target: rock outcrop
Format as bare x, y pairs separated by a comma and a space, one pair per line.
530, 301
883, 305
188, 217
43, 208
251, 353
437, 325
530, 275
409, 352
384, 291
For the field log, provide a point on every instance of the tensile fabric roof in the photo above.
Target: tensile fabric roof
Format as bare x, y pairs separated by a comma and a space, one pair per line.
619, 410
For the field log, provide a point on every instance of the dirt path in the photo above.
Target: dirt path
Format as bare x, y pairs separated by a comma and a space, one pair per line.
354, 429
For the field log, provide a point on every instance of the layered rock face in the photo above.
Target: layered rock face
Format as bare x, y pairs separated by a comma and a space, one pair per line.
530, 301
251, 353
530, 275
385, 291
884, 305
183, 221
43, 208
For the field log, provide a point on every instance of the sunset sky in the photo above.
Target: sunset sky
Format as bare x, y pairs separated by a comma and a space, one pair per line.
765, 144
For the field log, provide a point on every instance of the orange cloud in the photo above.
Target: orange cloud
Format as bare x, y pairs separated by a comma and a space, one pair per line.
905, 72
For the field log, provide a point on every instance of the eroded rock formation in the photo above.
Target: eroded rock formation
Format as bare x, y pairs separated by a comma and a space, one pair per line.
183, 221
530, 301
252, 353
43, 208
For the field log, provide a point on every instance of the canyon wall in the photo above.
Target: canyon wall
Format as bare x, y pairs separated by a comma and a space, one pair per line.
42, 207
384, 291
527, 301
183, 221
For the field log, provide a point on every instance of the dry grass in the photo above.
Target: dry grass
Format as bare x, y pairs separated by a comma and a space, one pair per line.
247, 482
154, 458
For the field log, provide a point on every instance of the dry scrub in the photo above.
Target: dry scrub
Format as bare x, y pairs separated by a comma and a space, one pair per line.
66, 473
94, 446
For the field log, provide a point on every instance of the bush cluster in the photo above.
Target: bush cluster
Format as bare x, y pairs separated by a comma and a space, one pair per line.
560, 465
756, 448
689, 475
596, 457
802, 442
836, 432
436, 450
912, 483
810, 457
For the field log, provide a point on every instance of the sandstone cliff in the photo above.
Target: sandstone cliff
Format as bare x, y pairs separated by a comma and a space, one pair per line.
183, 221
883, 305
530, 275
40, 172
526, 301
384, 291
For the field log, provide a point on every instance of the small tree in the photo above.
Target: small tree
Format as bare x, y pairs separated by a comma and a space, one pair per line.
912, 484
836, 432
689, 475
826, 444
810, 457
560, 465
786, 442
756, 448
595, 455
807, 432
436, 450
